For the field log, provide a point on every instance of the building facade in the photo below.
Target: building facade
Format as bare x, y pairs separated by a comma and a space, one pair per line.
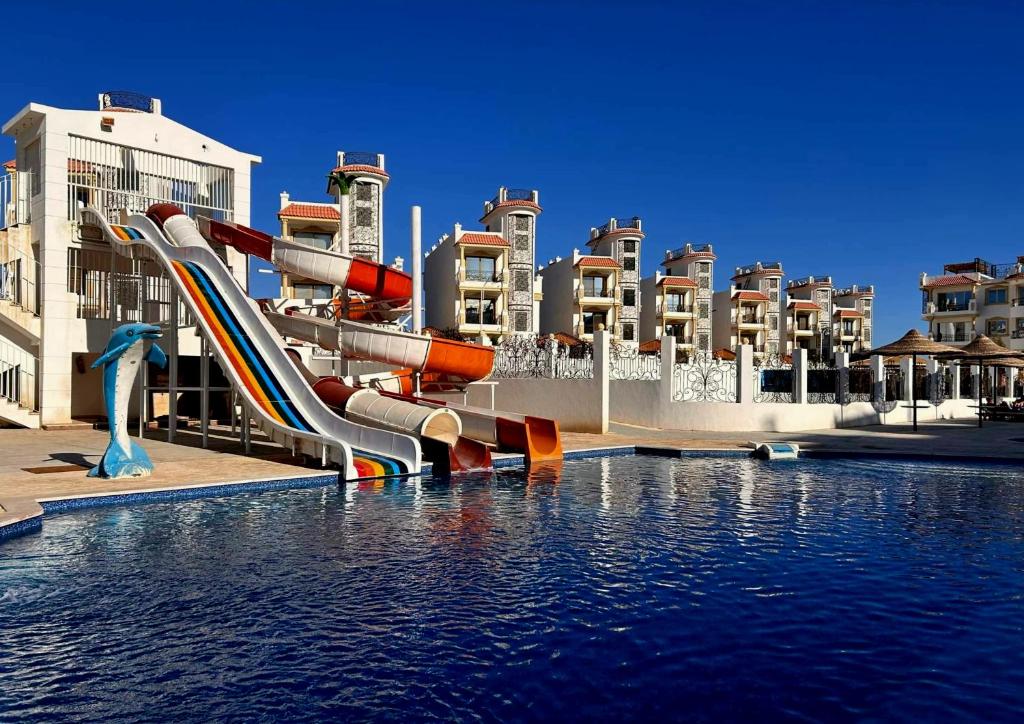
62, 292
749, 311
975, 297
482, 283
853, 311
620, 239
807, 322
678, 303
582, 293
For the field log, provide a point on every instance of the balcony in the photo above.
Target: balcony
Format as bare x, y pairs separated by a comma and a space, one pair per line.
513, 195
361, 158
486, 280
15, 189
599, 296
619, 222
748, 320
489, 323
1017, 334
667, 309
932, 308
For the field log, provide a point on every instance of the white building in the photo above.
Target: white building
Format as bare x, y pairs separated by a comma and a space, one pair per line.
61, 294
807, 323
481, 283
853, 310
749, 311
678, 303
975, 297
582, 293
620, 239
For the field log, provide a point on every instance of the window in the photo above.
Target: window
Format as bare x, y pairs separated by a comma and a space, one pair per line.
953, 301
364, 216
675, 330
674, 303
480, 268
591, 321
593, 286
33, 164
773, 296
847, 327
702, 310
522, 242
629, 297
521, 222
704, 340
996, 295
629, 263
627, 332
996, 327
704, 283
316, 239
773, 321
521, 280
313, 291
773, 283
704, 267
629, 246
480, 311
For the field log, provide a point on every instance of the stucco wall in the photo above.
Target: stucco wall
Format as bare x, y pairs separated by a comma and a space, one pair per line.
576, 404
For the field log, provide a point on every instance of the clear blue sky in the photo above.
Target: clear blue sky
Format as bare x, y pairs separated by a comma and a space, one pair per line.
872, 141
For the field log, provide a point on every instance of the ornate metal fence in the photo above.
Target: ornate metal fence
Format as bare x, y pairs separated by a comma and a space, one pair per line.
520, 357
773, 379
893, 383
822, 383
939, 386
967, 382
573, 363
627, 363
859, 385
704, 379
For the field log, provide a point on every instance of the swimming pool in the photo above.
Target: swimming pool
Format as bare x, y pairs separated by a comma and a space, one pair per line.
623, 587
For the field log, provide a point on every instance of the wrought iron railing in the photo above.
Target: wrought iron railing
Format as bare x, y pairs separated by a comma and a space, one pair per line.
619, 222
19, 277
483, 276
626, 363
822, 383
532, 357
667, 308
361, 158
704, 379
773, 379
15, 196
126, 99
859, 385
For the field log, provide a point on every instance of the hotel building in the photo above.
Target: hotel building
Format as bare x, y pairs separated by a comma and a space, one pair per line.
319, 224
975, 297
678, 303
481, 283
620, 239
852, 315
61, 293
582, 293
808, 318
749, 311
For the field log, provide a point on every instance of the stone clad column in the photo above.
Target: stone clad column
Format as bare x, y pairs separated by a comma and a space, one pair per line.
800, 376
745, 374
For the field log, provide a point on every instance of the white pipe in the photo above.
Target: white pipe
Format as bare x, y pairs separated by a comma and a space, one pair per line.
417, 272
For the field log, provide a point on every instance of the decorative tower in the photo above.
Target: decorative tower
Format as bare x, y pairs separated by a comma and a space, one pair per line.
620, 239
696, 262
366, 202
513, 213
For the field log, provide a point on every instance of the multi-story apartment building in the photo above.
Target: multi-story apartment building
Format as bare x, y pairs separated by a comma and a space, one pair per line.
319, 224
852, 315
678, 303
749, 311
581, 293
61, 292
975, 297
807, 323
620, 239
481, 283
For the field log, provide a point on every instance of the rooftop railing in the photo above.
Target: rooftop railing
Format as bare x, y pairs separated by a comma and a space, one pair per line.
812, 279
759, 266
689, 249
513, 195
619, 222
361, 158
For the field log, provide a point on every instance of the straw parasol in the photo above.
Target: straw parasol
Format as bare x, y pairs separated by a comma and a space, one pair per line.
986, 352
914, 343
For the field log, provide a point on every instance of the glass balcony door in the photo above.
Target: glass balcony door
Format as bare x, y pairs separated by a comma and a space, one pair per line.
481, 268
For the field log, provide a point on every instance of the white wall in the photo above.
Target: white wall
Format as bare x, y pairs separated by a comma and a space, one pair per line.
576, 404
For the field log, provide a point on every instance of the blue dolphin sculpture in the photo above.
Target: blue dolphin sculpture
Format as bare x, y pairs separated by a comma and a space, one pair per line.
124, 458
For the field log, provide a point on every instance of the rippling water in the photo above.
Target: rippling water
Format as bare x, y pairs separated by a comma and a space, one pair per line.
625, 588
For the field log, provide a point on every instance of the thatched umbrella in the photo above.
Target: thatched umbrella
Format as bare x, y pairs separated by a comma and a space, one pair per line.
986, 352
914, 343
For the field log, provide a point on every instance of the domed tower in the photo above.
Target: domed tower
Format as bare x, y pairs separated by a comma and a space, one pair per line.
366, 201
513, 213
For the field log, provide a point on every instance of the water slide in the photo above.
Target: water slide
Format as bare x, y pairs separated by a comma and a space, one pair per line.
253, 354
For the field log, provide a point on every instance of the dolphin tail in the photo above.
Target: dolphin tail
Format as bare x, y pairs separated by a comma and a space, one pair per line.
118, 463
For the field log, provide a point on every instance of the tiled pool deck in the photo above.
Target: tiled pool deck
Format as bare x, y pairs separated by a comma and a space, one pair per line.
47, 468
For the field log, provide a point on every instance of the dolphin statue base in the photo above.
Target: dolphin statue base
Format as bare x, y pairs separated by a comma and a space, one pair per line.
124, 458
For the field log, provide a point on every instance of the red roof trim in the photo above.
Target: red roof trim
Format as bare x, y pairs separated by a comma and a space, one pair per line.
358, 168
804, 304
848, 313
670, 281
482, 238
598, 261
750, 295
950, 280
309, 211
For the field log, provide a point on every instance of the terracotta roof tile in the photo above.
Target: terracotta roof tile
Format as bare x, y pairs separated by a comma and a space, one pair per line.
310, 211
9, 164
598, 261
803, 304
650, 347
671, 281
482, 238
845, 313
358, 168
950, 280
749, 295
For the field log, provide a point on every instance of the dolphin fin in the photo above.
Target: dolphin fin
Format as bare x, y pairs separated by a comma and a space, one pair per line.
117, 463
111, 354
156, 355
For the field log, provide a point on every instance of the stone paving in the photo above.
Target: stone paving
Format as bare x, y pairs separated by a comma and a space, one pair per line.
38, 464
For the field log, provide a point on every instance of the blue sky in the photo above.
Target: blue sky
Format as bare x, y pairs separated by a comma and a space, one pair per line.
873, 141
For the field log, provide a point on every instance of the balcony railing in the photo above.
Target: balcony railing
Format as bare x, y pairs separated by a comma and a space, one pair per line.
361, 158
481, 276
15, 190
667, 308
619, 222
763, 266
750, 319
1017, 302
943, 307
608, 293
487, 320
19, 376
19, 277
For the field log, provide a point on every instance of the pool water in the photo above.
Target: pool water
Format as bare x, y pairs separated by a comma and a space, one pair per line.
628, 587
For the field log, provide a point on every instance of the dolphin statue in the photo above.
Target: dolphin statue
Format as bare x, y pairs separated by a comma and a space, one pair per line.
123, 457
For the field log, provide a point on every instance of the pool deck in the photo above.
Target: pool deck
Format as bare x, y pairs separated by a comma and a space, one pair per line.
38, 466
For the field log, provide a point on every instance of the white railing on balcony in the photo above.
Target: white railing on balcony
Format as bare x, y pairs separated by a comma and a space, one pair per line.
111, 177
15, 190
19, 276
19, 376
